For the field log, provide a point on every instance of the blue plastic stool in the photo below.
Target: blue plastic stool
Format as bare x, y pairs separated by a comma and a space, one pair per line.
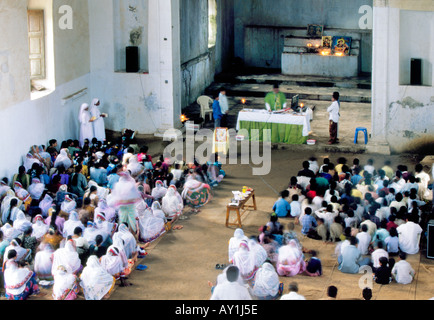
365, 131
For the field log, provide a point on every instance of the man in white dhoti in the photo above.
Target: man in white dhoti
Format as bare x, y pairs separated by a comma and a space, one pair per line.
98, 124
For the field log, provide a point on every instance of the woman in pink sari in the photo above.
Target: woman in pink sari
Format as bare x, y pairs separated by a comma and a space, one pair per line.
291, 260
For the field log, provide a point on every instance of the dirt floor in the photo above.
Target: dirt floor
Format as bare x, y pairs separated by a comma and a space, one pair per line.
182, 261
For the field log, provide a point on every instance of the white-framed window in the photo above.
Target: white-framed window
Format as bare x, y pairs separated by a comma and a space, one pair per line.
212, 23
41, 47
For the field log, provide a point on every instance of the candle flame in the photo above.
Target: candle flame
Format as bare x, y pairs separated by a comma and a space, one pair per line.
183, 118
243, 101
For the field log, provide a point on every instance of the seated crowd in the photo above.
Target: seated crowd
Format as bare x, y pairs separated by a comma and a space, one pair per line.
373, 215
78, 218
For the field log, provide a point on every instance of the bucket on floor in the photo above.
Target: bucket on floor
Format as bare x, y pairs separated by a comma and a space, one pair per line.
311, 142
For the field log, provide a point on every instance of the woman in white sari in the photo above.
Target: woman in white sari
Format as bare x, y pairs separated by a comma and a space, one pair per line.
30, 160
45, 205
244, 259
20, 283
39, 227
235, 241
151, 224
135, 167
258, 252
125, 196
159, 191
68, 205
105, 226
114, 263
109, 212
67, 257
9, 232
172, 203
65, 284
5, 190
10, 208
21, 253
21, 223
291, 260
96, 282
36, 189
130, 244
44, 262
92, 231
22, 194
63, 159
72, 223
98, 124
86, 128
266, 284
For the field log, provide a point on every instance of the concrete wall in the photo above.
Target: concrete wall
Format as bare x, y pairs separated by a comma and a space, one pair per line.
199, 63
264, 46
401, 114
146, 102
24, 119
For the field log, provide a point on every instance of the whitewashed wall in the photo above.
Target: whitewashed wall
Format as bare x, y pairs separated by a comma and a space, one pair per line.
401, 114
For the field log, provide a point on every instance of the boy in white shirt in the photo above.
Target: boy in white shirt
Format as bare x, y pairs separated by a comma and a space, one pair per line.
402, 271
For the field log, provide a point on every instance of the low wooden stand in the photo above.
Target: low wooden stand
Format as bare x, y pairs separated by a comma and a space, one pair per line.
240, 209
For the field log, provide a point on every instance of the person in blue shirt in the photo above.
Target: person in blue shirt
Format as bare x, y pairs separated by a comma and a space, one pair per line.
281, 207
217, 112
307, 221
356, 177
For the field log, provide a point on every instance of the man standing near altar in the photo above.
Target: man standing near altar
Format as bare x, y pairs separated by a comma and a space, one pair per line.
334, 116
275, 100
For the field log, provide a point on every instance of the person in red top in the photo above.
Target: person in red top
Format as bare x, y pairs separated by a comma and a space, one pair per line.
391, 224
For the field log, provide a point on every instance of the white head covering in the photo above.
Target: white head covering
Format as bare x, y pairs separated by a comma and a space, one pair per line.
21, 223
72, 223
110, 213
290, 253
125, 191
101, 192
84, 115
68, 205
6, 206
39, 227
130, 244
95, 280
29, 161
159, 191
112, 261
68, 257
258, 252
45, 205
44, 261
234, 242
63, 282
134, 166
266, 281
94, 110
16, 278
36, 189
172, 202
92, 231
151, 224
244, 260
63, 160
9, 232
